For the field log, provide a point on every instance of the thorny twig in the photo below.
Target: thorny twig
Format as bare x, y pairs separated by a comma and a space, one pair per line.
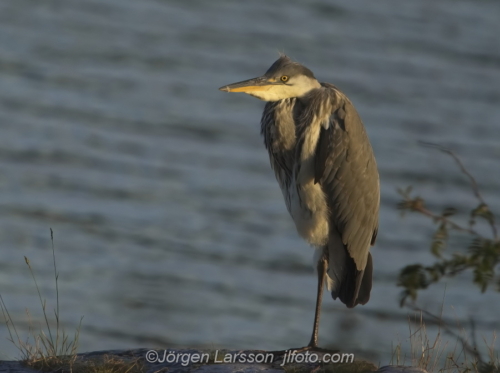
421, 209
483, 253
475, 187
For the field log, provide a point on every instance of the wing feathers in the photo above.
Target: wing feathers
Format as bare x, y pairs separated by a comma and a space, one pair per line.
345, 167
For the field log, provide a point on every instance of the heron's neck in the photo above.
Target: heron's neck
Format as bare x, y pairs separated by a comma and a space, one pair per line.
299, 87
284, 136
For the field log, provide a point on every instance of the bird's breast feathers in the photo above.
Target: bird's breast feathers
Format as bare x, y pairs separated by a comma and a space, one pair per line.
309, 207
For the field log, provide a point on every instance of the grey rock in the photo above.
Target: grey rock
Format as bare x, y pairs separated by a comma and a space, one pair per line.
14, 367
199, 361
400, 369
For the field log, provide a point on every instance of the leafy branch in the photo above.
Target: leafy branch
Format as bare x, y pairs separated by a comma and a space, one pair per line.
481, 256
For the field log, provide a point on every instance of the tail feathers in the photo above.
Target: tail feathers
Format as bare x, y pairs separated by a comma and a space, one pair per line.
366, 282
348, 284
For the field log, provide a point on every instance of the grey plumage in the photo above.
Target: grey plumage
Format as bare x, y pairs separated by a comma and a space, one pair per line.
324, 164
344, 166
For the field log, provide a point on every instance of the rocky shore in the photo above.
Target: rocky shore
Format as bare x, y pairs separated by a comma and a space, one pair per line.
216, 361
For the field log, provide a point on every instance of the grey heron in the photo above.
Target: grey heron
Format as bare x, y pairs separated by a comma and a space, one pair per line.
325, 167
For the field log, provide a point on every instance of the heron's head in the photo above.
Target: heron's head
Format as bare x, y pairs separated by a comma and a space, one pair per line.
284, 79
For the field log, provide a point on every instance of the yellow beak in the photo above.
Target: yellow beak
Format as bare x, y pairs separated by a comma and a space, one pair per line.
250, 85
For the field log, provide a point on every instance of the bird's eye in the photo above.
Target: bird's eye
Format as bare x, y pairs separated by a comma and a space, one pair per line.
284, 78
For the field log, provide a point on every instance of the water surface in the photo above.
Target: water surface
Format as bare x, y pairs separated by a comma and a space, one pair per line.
170, 229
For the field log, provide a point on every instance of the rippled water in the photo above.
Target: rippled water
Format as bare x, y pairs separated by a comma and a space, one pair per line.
170, 229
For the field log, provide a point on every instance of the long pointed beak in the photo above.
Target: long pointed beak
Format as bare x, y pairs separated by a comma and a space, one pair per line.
251, 85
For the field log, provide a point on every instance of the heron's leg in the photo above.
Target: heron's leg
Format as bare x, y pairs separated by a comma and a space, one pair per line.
313, 344
322, 267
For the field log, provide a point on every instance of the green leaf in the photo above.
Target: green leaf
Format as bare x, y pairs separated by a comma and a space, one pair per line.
449, 211
437, 247
482, 211
439, 240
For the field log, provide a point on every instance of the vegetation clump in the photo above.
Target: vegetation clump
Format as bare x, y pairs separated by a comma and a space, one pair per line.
45, 348
481, 256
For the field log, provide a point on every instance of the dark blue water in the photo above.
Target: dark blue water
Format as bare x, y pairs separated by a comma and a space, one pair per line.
170, 229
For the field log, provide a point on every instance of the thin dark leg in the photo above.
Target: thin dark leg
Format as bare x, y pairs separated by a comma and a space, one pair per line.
322, 265
313, 344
